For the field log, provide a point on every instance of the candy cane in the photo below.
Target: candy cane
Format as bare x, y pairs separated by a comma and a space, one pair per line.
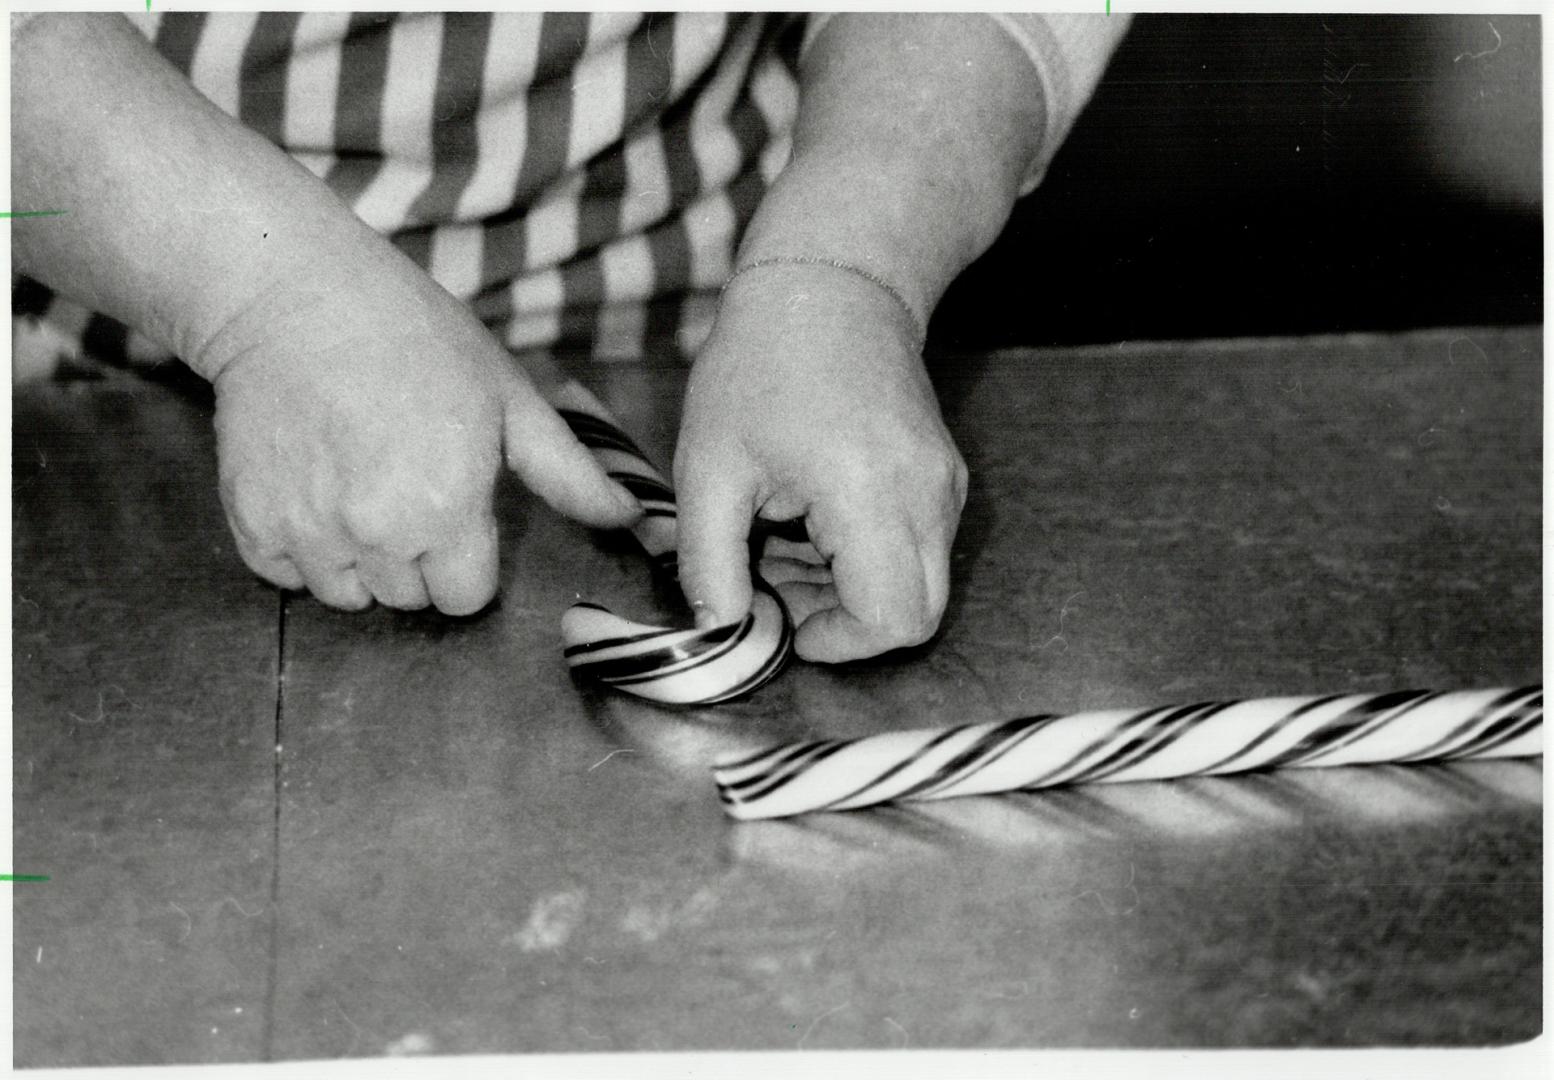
1115, 745
678, 667
831, 850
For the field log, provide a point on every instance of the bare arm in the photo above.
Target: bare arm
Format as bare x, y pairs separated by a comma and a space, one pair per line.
915, 134
361, 412
177, 218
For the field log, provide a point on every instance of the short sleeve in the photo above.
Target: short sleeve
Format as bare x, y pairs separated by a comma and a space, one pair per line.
1069, 53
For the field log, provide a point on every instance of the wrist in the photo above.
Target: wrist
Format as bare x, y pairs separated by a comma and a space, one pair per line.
305, 262
913, 136
857, 273
809, 313
829, 209
178, 219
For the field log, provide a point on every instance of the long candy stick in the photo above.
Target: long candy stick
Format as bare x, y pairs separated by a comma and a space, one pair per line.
678, 667
1115, 745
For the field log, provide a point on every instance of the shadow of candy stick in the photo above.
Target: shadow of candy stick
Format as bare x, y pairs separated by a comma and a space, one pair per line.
687, 744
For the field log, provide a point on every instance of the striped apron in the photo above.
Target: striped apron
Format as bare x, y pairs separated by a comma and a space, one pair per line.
580, 180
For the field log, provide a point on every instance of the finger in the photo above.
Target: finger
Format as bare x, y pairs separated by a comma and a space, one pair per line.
778, 547
278, 570
714, 527
547, 457
880, 582
783, 571
333, 584
553, 384
393, 582
805, 599
461, 577
268, 560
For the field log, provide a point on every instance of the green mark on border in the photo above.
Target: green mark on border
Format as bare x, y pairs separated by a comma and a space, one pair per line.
24, 877
30, 213
1108, 6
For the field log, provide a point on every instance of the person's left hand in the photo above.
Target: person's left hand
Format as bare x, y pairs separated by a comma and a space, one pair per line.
810, 401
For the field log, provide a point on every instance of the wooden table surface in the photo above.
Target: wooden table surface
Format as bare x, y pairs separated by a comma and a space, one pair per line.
274, 831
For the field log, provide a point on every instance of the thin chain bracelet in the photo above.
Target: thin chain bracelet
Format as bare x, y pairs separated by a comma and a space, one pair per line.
836, 264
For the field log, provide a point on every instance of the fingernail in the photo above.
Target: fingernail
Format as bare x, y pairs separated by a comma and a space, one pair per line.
627, 500
706, 618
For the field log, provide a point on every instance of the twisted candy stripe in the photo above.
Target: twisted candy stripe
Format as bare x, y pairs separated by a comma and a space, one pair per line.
677, 667
1138, 744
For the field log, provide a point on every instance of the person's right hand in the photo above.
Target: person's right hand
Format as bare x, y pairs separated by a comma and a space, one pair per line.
361, 418
362, 412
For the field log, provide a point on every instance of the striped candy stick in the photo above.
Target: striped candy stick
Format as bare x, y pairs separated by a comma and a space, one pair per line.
831, 849
1115, 745
677, 667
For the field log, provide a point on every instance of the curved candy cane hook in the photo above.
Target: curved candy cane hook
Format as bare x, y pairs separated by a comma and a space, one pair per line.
675, 667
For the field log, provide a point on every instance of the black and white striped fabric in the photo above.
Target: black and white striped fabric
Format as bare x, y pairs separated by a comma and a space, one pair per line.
580, 179
1139, 744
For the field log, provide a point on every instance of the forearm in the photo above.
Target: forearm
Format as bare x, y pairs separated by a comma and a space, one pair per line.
177, 218
913, 137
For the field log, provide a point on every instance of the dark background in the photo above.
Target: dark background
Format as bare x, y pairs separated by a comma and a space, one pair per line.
1288, 174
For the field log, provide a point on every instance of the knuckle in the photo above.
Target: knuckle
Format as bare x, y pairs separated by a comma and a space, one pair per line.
859, 473
942, 467
927, 464
369, 521
943, 478
904, 628
960, 479
404, 523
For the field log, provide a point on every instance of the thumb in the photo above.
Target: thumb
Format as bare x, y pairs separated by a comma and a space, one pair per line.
715, 509
547, 457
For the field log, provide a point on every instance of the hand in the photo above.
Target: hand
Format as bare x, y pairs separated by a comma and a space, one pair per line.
810, 401
361, 419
